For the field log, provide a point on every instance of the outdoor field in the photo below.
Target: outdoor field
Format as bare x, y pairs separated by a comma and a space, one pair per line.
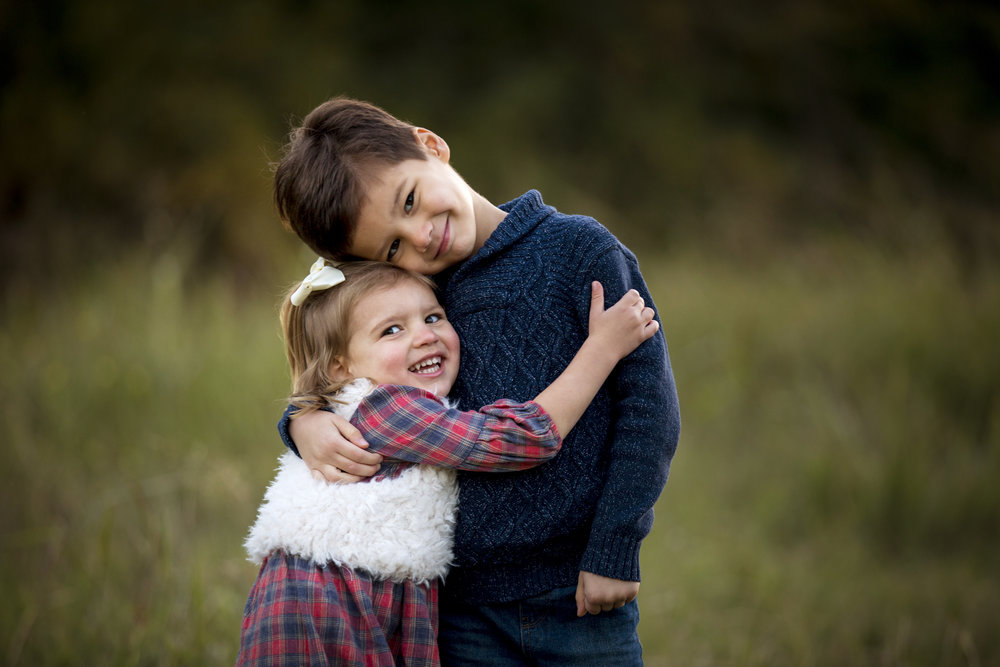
811, 189
833, 500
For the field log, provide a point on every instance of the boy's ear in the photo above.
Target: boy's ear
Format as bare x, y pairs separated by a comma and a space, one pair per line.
432, 143
338, 369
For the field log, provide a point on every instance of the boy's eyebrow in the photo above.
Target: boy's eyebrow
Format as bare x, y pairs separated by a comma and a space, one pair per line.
383, 250
399, 193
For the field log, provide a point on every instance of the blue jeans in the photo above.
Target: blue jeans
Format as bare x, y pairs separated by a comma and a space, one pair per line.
542, 630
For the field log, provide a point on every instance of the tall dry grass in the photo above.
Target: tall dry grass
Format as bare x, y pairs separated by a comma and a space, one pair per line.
832, 500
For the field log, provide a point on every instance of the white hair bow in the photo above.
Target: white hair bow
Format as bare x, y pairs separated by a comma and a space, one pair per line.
321, 276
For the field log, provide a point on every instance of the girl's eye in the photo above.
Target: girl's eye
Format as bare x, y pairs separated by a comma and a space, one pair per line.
394, 329
408, 204
393, 249
434, 318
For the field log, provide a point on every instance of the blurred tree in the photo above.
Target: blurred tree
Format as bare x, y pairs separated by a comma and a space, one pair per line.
727, 126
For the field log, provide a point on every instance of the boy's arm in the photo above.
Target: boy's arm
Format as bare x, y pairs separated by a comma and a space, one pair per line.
332, 448
643, 437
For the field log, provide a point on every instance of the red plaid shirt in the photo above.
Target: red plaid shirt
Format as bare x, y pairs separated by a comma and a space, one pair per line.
410, 425
305, 613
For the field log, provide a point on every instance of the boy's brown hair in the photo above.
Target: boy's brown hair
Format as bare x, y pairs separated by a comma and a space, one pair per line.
319, 182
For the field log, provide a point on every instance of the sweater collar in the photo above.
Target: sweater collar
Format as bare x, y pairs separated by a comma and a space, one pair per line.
523, 215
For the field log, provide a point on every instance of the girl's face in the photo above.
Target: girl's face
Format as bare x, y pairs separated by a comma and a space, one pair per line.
399, 335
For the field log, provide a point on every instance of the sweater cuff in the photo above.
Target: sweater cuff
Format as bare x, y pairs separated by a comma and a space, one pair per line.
286, 436
612, 556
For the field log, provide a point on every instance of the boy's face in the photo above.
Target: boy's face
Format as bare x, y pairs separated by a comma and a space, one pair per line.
418, 214
399, 335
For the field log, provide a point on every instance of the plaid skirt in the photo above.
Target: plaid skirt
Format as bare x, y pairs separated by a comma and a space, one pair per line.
301, 613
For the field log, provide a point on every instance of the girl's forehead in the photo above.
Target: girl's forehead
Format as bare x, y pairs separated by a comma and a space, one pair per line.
393, 302
405, 292
414, 285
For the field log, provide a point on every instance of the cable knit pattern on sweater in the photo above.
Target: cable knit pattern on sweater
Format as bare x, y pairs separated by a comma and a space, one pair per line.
520, 306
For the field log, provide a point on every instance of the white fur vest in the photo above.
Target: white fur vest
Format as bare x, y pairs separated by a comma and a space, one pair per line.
400, 528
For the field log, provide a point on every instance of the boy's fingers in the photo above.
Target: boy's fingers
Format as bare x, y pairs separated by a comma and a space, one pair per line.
326, 472
349, 431
335, 475
581, 606
352, 454
357, 470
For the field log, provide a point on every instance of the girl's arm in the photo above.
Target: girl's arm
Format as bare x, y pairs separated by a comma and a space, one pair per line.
408, 424
613, 334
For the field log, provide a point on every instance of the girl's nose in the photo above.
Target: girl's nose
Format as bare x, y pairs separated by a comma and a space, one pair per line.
424, 335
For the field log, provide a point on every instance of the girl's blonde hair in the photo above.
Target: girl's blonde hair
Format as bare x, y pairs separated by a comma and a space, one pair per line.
318, 331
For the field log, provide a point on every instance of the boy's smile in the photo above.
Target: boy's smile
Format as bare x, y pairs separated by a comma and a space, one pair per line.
399, 335
419, 214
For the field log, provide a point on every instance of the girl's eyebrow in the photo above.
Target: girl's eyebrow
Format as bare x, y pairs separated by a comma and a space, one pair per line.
382, 322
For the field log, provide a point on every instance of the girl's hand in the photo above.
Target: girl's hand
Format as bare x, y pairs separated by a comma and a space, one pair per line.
622, 327
332, 448
613, 334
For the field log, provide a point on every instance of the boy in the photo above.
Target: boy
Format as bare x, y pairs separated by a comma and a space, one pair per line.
535, 551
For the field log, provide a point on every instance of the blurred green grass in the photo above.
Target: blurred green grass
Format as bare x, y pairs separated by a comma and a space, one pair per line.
832, 500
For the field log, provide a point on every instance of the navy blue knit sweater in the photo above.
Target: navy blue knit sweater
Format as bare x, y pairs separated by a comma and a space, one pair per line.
520, 306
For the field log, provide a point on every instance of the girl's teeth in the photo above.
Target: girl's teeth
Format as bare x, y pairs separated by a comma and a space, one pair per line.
430, 366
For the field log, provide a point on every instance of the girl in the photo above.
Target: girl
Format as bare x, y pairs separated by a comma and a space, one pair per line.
349, 571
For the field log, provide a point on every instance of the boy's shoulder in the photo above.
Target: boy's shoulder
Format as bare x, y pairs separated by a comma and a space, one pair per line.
535, 244
530, 221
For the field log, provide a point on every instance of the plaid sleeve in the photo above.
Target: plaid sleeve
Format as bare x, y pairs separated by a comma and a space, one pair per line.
409, 424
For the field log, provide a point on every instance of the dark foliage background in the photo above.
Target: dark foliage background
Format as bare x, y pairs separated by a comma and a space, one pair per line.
812, 189
728, 126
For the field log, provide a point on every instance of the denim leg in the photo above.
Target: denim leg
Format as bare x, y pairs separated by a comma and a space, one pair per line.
542, 630
554, 635
473, 635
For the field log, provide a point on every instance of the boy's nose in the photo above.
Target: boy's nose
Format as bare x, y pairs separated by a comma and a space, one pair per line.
421, 237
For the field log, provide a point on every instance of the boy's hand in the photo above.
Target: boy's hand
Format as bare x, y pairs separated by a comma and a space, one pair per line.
625, 325
595, 593
332, 448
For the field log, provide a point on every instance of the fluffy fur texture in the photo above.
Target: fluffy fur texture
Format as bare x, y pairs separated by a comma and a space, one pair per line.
398, 529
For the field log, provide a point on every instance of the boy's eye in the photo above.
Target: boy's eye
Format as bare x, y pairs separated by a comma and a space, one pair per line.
393, 249
433, 318
408, 204
394, 329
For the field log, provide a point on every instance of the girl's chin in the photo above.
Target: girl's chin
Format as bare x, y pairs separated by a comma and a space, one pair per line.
438, 388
